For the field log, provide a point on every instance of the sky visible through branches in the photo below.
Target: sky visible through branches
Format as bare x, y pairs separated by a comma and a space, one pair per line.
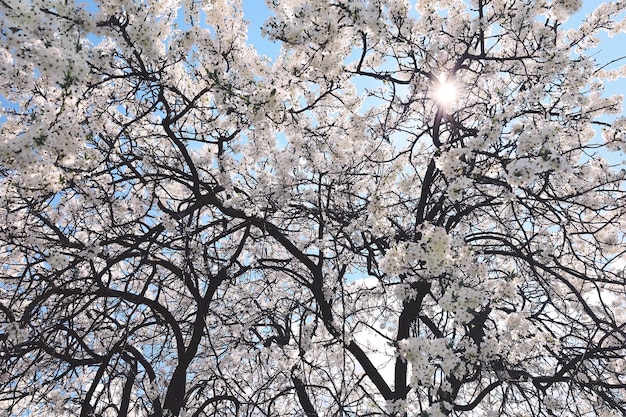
388, 211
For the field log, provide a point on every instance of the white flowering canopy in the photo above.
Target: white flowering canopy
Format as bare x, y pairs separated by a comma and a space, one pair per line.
415, 209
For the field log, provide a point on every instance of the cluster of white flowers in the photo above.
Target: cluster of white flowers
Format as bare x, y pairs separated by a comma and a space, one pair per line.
450, 162
427, 258
153, 390
15, 333
463, 302
561, 10
615, 135
426, 356
57, 260
457, 188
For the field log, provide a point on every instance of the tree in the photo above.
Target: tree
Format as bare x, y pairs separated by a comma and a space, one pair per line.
408, 212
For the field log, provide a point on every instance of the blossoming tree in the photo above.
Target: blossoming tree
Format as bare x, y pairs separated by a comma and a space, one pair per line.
413, 210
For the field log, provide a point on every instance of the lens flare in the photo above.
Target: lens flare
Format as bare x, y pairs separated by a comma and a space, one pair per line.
445, 92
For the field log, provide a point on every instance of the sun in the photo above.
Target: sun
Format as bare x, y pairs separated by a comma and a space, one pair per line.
445, 92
